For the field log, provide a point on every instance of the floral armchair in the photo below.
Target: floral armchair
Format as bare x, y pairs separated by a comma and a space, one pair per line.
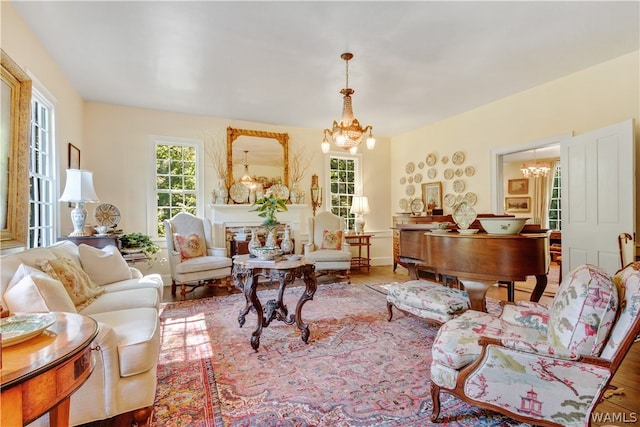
545, 366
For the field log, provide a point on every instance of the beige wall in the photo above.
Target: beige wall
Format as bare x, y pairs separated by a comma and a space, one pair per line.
590, 99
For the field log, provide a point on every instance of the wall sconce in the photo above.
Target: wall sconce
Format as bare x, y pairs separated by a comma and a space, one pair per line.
316, 194
79, 190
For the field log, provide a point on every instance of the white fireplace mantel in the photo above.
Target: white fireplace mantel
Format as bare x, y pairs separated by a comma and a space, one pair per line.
226, 216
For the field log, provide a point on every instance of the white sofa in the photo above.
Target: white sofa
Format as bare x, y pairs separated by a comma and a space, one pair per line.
123, 382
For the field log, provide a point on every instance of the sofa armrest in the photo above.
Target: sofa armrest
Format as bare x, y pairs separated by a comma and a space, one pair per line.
135, 273
309, 247
541, 348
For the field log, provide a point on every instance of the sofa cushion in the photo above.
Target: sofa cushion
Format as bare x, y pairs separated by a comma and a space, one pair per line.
138, 332
203, 263
122, 300
190, 246
66, 249
104, 265
331, 240
32, 290
329, 255
77, 283
153, 281
583, 311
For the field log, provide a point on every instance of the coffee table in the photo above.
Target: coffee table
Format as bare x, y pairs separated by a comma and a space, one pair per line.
246, 274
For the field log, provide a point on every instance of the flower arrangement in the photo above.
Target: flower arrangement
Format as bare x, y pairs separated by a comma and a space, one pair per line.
268, 206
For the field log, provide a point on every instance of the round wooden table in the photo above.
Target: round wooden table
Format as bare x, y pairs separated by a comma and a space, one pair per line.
39, 375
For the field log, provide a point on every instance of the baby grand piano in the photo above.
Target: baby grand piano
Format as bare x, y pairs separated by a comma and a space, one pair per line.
478, 260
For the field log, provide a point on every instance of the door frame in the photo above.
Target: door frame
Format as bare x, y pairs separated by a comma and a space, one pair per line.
497, 171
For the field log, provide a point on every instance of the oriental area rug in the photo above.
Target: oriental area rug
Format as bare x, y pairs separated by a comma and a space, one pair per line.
356, 370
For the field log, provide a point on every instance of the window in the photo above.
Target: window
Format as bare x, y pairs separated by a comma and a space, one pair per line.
42, 201
555, 219
177, 189
344, 175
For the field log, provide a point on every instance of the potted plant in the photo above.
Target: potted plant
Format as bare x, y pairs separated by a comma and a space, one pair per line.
267, 207
133, 242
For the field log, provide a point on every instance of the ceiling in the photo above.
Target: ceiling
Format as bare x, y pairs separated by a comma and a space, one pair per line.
279, 62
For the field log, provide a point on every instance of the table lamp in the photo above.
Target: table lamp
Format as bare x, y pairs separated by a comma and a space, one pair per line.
359, 207
79, 190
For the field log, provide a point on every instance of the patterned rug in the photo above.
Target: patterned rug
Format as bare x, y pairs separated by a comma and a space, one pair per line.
357, 369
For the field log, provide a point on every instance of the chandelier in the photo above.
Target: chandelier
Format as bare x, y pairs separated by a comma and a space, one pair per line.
534, 170
246, 178
348, 133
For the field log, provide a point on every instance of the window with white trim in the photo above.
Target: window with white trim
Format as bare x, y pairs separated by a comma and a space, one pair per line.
177, 180
42, 200
344, 182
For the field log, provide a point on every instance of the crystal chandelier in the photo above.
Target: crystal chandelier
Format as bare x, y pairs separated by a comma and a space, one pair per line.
246, 178
534, 170
348, 133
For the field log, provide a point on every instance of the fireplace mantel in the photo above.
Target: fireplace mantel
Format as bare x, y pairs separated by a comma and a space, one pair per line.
227, 216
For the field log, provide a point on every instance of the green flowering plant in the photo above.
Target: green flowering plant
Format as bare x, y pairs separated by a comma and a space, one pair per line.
268, 206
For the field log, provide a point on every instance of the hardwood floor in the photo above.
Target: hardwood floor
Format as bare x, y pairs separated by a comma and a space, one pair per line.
622, 408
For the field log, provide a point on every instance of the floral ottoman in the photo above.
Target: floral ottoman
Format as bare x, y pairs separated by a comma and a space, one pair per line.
427, 299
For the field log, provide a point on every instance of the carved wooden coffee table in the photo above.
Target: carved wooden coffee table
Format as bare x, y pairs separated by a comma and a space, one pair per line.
246, 274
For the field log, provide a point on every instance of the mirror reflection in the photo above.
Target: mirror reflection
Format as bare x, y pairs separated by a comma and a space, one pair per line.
257, 155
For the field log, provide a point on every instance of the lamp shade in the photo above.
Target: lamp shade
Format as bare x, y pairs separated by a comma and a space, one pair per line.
79, 187
359, 205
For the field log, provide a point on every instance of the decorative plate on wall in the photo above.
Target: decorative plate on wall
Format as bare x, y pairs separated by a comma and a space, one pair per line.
470, 198
418, 178
421, 165
417, 206
459, 172
432, 172
469, 170
458, 186
410, 180
410, 167
410, 190
431, 159
403, 180
444, 160
107, 215
403, 205
448, 173
449, 200
458, 158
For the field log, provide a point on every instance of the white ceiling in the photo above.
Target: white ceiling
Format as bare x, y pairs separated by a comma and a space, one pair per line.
279, 62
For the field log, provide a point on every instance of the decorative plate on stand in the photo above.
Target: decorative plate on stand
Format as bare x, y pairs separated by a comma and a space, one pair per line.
107, 215
239, 193
280, 191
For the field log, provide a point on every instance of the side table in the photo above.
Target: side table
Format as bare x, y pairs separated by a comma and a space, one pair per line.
245, 275
360, 241
40, 374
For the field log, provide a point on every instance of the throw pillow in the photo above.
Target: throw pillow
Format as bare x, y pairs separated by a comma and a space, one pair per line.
31, 290
104, 265
583, 311
77, 283
331, 240
190, 246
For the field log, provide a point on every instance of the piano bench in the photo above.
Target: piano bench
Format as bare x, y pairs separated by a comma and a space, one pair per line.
428, 300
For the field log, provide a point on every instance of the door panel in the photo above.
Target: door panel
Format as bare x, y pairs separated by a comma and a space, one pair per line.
598, 195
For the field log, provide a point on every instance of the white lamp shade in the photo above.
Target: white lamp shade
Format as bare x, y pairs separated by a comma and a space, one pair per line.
359, 205
79, 187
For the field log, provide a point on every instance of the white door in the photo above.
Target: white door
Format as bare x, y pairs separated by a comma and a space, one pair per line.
598, 195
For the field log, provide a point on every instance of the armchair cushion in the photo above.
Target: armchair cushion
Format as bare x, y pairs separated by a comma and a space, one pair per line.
190, 246
104, 265
331, 240
583, 311
202, 263
77, 283
32, 290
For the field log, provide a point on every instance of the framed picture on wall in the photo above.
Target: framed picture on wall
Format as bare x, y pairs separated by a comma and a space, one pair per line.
74, 157
432, 195
517, 204
519, 186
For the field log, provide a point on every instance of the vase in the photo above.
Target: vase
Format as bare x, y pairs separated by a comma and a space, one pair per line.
271, 236
221, 195
286, 244
254, 243
294, 193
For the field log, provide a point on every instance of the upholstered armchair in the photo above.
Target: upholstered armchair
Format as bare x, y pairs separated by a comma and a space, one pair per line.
193, 259
542, 365
327, 246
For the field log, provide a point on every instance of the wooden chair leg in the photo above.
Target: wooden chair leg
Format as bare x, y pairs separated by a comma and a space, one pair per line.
389, 311
435, 398
173, 287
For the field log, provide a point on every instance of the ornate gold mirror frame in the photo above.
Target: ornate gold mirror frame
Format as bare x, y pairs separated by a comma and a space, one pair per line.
282, 138
15, 116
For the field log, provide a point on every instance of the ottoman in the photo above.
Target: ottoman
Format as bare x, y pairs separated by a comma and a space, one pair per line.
428, 300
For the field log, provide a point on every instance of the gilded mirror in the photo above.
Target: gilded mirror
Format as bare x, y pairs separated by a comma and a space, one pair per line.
266, 154
15, 115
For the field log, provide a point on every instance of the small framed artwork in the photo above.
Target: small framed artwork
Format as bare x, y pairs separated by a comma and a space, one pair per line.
519, 186
517, 204
432, 195
74, 157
